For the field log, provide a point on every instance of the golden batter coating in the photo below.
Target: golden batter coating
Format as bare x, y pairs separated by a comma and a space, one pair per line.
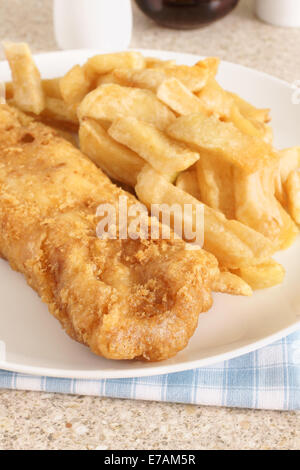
124, 299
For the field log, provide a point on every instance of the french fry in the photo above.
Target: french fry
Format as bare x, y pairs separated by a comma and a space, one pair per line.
212, 63
153, 62
224, 140
268, 136
105, 63
50, 87
148, 79
194, 78
292, 187
74, 85
257, 207
215, 100
249, 111
215, 181
110, 102
232, 243
251, 126
119, 162
163, 153
9, 91
262, 276
289, 162
187, 181
179, 98
26, 80
245, 125
229, 283
107, 78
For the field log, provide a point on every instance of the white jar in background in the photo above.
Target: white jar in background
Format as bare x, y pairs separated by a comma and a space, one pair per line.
93, 24
279, 12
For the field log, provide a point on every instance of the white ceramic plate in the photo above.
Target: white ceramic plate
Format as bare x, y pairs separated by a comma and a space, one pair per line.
35, 343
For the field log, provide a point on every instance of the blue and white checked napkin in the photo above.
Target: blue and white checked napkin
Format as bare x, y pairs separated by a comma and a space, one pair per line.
267, 379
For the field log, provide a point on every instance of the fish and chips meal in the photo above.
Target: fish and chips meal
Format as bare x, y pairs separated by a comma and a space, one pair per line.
159, 134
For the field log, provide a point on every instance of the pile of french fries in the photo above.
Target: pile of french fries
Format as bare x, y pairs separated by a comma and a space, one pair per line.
174, 135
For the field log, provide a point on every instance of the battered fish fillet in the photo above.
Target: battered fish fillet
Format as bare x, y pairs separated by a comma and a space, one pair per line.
124, 299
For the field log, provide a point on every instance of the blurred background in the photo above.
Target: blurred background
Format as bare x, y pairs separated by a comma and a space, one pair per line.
239, 37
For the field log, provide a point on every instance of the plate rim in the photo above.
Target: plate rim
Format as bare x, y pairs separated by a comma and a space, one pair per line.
160, 368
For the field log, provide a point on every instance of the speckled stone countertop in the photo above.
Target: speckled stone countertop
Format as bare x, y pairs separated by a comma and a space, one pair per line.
30, 420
